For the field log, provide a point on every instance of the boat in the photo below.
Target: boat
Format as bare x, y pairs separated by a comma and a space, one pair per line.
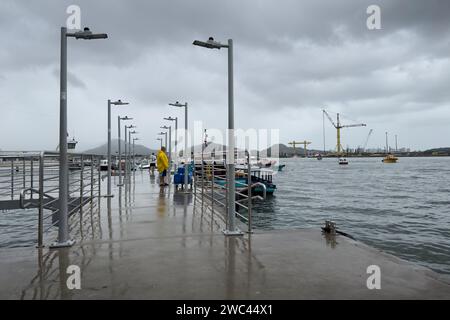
343, 161
390, 158
319, 156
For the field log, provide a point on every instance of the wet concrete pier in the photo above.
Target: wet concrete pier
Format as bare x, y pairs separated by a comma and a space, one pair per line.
160, 244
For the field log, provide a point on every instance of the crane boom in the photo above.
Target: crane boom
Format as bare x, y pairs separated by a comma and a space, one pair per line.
329, 118
367, 139
354, 125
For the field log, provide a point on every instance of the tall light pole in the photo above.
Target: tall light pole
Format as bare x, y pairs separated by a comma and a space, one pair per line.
116, 103
211, 44
126, 154
63, 224
170, 145
160, 142
176, 138
129, 149
134, 154
120, 153
165, 138
185, 152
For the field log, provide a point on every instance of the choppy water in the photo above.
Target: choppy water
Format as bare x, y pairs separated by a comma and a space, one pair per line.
401, 208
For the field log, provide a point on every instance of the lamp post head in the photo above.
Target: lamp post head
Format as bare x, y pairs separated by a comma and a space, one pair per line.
165, 127
177, 104
87, 34
119, 103
210, 44
126, 118
170, 119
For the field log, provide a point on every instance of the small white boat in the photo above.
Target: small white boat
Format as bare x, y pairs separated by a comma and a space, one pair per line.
343, 161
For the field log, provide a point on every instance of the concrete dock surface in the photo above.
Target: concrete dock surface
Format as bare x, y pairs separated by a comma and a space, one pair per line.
160, 244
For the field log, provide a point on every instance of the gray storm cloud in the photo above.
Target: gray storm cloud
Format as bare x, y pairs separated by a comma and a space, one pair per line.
292, 58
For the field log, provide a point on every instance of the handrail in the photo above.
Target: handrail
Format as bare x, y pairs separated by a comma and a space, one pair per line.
32, 178
211, 183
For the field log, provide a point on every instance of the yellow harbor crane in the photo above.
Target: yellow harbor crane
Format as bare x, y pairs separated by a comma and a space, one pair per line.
304, 143
338, 127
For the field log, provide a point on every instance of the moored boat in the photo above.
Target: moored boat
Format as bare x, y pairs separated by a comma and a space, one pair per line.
390, 158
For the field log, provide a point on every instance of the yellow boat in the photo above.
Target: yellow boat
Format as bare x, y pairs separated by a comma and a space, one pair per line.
390, 158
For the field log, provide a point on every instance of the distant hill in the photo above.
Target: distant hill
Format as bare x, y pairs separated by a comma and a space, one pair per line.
103, 149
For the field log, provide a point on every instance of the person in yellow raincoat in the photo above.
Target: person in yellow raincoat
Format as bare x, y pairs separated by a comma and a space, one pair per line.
162, 163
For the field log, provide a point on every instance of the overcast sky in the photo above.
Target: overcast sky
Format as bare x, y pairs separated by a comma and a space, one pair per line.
292, 59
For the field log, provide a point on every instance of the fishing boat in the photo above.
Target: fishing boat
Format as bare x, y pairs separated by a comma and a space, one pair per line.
390, 158
261, 175
343, 161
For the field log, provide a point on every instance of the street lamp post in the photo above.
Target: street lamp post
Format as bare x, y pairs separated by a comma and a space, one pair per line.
170, 145
185, 152
63, 224
116, 103
134, 154
160, 142
129, 151
165, 138
126, 154
120, 153
211, 44
176, 138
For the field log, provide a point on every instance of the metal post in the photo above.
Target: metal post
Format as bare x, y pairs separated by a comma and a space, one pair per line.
186, 156
81, 186
12, 179
176, 142
63, 221
41, 202
203, 179
249, 192
125, 155
212, 188
170, 152
133, 155
120, 154
230, 165
99, 185
92, 179
109, 149
129, 156
31, 176
23, 173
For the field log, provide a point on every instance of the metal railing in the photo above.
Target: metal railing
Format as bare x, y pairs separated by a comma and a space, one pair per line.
31, 180
210, 185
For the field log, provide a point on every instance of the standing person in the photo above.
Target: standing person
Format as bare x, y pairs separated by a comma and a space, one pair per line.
162, 163
152, 163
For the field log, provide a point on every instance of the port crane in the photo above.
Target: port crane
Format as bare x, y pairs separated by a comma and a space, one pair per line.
338, 127
304, 143
367, 140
